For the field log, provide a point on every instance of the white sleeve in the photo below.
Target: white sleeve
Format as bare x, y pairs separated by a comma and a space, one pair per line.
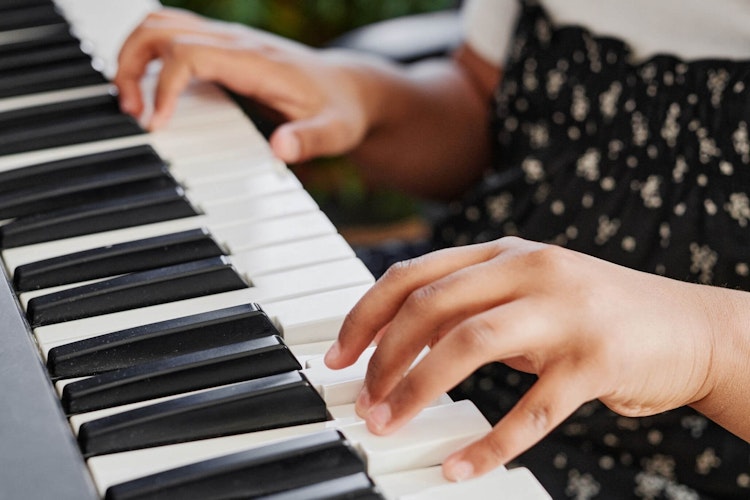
488, 27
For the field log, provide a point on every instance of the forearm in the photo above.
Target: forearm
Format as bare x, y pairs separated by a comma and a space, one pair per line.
428, 133
728, 400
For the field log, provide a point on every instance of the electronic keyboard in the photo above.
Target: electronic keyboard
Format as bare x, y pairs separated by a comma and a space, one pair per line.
169, 297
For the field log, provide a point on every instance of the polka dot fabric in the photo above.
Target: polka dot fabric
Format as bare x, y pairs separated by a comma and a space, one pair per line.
646, 164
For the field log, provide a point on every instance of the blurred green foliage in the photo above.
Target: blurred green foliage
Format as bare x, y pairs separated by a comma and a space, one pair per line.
311, 21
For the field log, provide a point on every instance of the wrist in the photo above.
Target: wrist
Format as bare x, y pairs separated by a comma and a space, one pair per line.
725, 397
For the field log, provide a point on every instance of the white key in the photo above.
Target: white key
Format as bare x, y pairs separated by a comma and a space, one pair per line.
236, 236
291, 254
264, 206
283, 284
311, 279
305, 352
398, 485
196, 138
429, 484
14, 257
302, 320
109, 470
267, 260
237, 162
45, 155
245, 236
344, 413
248, 186
426, 440
315, 318
339, 387
255, 205
262, 260
207, 126
200, 142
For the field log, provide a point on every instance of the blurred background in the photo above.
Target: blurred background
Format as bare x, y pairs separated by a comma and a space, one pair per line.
363, 216
314, 22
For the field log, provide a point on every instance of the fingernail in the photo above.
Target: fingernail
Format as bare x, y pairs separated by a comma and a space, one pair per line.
379, 416
287, 146
363, 401
459, 471
333, 353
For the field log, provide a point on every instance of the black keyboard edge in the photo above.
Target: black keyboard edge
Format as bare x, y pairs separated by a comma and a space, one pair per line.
37, 441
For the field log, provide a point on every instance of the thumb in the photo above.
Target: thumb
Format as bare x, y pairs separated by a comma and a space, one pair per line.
320, 135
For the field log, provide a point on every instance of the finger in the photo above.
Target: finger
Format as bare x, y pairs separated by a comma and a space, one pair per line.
146, 43
127, 80
285, 144
205, 58
321, 135
381, 303
553, 398
432, 309
173, 79
427, 311
502, 332
140, 48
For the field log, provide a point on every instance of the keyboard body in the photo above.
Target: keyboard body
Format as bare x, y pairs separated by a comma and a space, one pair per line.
39, 455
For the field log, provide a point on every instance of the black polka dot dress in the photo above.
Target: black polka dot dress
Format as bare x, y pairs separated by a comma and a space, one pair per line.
644, 164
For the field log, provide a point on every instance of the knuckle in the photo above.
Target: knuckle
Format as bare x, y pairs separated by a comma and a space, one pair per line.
179, 47
547, 257
423, 299
553, 263
538, 417
508, 242
476, 335
400, 270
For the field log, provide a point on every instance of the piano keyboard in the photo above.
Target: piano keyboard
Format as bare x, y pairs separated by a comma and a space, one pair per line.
180, 288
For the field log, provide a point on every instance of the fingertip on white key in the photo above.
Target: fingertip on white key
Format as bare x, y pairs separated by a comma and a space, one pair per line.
426, 440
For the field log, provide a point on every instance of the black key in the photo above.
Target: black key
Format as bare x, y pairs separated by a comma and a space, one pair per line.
14, 4
136, 210
178, 374
155, 341
266, 470
267, 403
20, 17
54, 76
80, 167
41, 55
64, 123
53, 65
130, 257
135, 290
357, 486
97, 188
